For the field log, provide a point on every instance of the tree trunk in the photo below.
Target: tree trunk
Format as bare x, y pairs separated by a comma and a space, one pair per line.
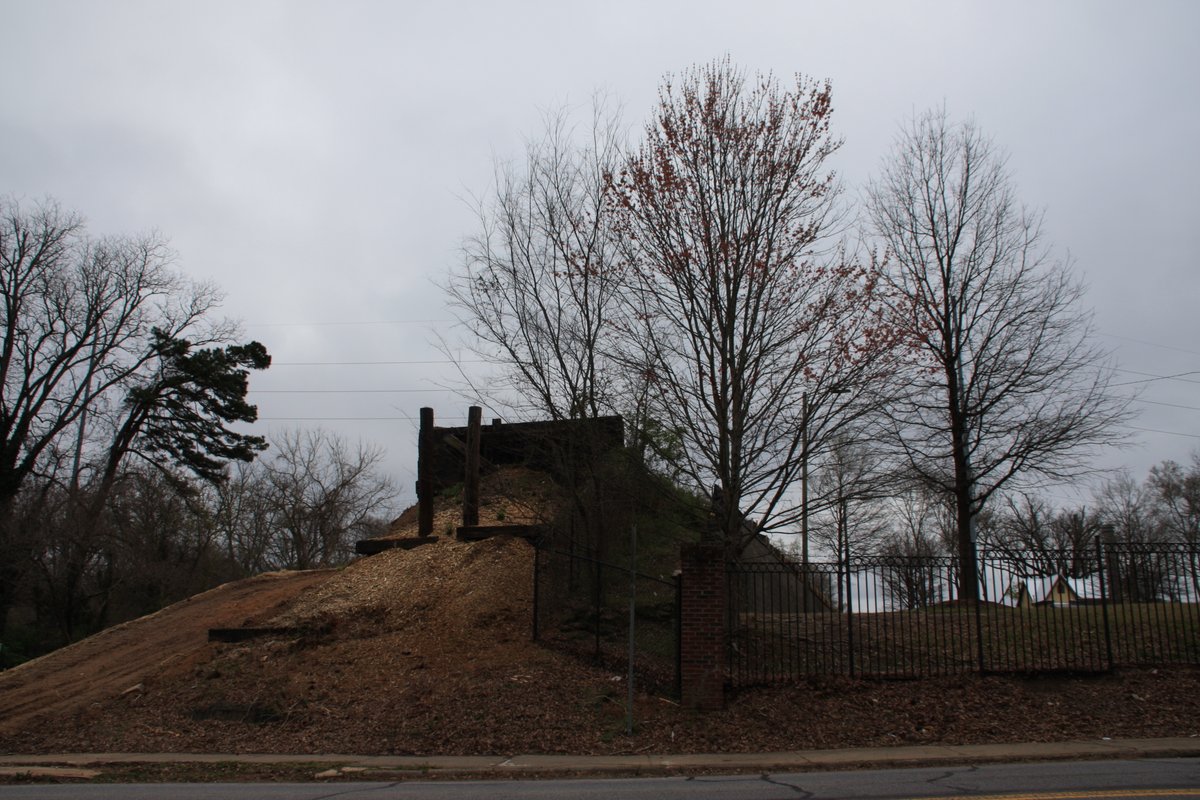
964, 488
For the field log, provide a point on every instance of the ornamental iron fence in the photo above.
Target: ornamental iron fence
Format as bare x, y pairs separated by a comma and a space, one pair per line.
1119, 604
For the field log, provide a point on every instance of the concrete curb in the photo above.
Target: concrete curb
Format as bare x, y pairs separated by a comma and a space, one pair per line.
794, 761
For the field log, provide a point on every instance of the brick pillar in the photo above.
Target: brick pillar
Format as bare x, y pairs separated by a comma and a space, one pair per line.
702, 655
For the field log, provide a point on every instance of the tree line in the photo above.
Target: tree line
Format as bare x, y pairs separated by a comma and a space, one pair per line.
910, 520
711, 282
125, 482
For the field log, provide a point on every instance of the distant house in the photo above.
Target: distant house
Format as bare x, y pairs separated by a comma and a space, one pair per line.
1053, 590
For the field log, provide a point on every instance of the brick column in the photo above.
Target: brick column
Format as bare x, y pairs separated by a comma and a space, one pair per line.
702, 655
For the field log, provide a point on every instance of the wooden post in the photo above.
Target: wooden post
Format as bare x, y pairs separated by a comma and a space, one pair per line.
425, 472
471, 479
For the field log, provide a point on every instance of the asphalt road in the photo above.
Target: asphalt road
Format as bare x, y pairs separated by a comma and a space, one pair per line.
1162, 779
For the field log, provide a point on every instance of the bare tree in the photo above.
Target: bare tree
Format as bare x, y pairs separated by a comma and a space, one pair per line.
74, 564
752, 330
1128, 510
1139, 570
921, 520
537, 290
1007, 382
166, 540
320, 494
909, 555
241, 516
849, 485
1043, 540
538, 282
1177, 495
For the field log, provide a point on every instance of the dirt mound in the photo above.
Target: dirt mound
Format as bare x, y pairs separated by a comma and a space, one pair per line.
159, 647
408, 651
405, 652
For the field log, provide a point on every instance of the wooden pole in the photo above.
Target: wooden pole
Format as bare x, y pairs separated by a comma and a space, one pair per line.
425, 472
471, 479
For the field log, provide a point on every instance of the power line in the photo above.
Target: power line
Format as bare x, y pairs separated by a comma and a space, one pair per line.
1179, 376
374, 363
1168, 405
347, 419
346, 323
343, 391
1169, 433
1152, 344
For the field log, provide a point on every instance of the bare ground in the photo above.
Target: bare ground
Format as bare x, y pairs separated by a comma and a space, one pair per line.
428, 651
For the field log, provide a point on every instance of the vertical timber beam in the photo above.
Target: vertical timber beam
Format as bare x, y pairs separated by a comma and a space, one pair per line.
471, 479
425, 473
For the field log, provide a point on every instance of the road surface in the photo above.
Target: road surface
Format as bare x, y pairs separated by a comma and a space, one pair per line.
1160, 779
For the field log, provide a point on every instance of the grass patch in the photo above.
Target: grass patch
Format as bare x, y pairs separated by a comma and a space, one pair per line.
951, 639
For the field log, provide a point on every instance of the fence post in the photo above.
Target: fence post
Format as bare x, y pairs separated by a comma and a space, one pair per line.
678, 635
537, 558
703, 634
597, 596
980, 572
849, 612
1104, 602
632, 625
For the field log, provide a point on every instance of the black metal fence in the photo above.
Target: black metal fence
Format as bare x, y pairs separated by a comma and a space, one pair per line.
582, 605
1121, 604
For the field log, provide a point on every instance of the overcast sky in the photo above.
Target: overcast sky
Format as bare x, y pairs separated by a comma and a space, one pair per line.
315, 159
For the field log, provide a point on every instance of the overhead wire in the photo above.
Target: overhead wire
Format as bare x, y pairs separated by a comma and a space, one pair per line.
345, 391
1151, 344
347, 323
1179, 376
375, 363
1168, 433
